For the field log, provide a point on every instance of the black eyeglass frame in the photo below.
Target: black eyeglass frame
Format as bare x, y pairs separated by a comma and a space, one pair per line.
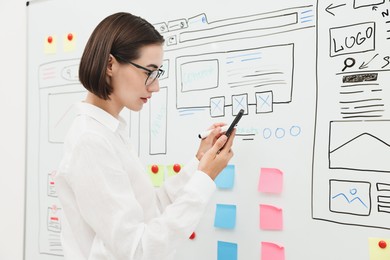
159, 71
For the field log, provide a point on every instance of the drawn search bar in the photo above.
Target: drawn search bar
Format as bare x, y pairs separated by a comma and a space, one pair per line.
240, 26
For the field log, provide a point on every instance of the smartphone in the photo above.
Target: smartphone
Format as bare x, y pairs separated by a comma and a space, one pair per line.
234, 123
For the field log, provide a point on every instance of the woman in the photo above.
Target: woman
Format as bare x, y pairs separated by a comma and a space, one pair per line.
111, 210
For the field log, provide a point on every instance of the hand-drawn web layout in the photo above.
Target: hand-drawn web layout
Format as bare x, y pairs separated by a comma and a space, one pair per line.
59, 91
230, 64
351, 170
215, 68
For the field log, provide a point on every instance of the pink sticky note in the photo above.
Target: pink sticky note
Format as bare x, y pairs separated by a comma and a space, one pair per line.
271, 251
271, 180
271, 217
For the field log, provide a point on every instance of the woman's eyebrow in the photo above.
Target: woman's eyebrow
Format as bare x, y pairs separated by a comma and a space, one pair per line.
153, 66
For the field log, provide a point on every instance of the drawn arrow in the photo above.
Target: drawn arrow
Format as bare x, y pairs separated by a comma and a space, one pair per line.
365, 65
374, 8
330, 7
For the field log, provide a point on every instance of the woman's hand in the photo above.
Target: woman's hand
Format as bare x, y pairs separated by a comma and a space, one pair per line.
210, 140
218, 156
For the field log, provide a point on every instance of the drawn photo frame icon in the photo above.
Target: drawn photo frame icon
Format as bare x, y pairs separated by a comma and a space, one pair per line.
350, 197
264, 102
217, 106
240, 102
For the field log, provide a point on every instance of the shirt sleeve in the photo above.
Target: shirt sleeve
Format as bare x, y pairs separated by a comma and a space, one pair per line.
106, 201
171, 188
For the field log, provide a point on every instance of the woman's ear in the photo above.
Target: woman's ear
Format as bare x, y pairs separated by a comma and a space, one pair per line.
111, 60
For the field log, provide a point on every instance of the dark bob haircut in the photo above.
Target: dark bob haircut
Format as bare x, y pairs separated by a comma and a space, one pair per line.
120, 34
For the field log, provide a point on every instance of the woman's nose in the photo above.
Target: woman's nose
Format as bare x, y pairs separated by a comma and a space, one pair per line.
154, 87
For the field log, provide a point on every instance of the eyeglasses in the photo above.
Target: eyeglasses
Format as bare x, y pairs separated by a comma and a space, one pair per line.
152, 74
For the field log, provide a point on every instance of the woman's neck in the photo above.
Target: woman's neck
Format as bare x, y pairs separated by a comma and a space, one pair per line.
107, 105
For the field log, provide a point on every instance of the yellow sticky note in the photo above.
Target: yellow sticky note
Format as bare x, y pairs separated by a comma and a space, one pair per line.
156, 173
69, 42
174, 169
50, 45
379, 248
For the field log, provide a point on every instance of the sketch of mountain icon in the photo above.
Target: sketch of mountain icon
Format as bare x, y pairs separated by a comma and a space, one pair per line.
364, 152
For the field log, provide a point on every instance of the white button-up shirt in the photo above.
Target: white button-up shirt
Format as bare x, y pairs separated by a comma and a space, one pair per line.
111, 210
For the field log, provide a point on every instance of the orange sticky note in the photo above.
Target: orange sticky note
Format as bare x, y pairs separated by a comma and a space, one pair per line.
271, 217
271, 251
271, 180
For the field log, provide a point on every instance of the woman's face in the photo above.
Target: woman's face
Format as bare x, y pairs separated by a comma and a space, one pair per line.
128, 81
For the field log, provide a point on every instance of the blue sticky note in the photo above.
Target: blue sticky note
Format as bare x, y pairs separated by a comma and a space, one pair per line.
225, 180
225, 216
227, 251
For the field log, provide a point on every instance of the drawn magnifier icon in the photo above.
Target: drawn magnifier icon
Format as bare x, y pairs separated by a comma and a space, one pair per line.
348, 63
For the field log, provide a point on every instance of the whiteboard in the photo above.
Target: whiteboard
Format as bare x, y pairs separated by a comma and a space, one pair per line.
310, 178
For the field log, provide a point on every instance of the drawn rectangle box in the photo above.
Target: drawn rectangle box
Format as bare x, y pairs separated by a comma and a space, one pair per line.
61, 114
264, 102
217, 106
362, 146
240, 102
339, 34
350, 197
158, 122
364, 3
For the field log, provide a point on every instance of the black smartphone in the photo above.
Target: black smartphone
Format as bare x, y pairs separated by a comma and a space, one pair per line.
234, 123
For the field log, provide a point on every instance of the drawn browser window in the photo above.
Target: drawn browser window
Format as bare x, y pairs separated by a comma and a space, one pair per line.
240, 62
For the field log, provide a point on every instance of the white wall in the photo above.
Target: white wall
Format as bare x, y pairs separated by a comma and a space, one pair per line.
12, 127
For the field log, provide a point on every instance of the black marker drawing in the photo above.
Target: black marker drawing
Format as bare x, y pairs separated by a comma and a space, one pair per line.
351, 142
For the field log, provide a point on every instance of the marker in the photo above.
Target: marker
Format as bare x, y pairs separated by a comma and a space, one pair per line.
208, 132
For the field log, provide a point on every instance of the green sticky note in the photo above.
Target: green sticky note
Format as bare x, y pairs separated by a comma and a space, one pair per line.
156, 173
174, 169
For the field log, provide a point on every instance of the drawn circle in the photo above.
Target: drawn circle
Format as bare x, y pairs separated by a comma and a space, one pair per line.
267, 133
280, 133
295, 130
348, 63
353, 191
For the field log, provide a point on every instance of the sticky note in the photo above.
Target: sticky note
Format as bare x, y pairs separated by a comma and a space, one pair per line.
50, 44
379, 248
271, 251
69, 42
227, 251
271, 180
225, 180
225, 216
174, 169
271, 217
156, 173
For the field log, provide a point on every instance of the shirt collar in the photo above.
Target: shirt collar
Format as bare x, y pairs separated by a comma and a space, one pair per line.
101, 116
